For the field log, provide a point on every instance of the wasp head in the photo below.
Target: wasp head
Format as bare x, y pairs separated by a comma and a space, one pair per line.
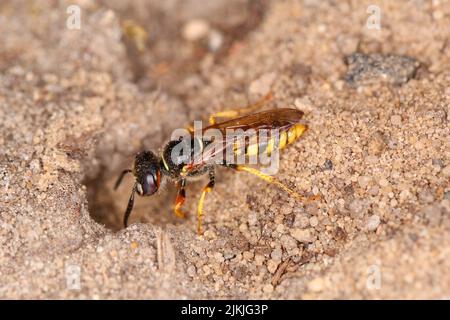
147, 173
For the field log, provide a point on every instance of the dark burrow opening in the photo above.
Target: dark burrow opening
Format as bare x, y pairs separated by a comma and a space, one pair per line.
107, 206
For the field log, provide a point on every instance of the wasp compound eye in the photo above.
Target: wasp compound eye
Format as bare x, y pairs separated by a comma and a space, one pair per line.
148, 185
147, 173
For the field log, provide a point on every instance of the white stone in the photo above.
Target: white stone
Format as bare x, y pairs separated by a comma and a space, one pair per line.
373, 222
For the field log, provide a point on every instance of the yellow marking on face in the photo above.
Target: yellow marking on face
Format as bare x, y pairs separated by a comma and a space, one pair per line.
165, 164
139, 188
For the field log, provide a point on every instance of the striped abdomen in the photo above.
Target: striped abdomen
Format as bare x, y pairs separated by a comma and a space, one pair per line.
261, 145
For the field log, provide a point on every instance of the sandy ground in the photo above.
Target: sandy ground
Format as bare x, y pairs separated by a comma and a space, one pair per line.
76, 104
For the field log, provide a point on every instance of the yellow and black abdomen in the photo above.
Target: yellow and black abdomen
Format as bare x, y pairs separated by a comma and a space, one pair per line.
268, 144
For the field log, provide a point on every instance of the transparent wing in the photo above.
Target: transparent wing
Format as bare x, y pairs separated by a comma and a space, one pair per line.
220, 138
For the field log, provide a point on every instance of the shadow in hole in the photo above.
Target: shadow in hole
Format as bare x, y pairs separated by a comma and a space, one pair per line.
107, 206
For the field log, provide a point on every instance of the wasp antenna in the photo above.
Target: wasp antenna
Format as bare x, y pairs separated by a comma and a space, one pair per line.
119, 180
129, 207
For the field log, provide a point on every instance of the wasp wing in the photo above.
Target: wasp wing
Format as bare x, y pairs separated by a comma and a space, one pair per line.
269, 119
250, 125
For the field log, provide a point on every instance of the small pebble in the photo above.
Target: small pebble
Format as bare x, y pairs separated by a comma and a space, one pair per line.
195, 30
394, 202
313, 221
215, 40
248, 255
303, 235
433, 213
268, 288
288, 242
357, 208
374, 68
373, 222
364, 181
376, 143
207, 270
35, 166
134, 245
261, 86
316, 285
301, 221
396, 120
304, 104
272, 266
276, 254
191, 271
404, 194
383, 182
426, 196
446, 171
437, 15
280, 228
259, 260
219, 257
438, 162
328, 165
210, 235
373, 191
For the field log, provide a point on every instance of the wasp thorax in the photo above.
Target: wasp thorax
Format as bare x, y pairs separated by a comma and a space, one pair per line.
147, 173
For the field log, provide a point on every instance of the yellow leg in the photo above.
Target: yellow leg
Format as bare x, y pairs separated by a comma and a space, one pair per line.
181, 197
201, 202
179, 213
273, 180
234, 113
190, 128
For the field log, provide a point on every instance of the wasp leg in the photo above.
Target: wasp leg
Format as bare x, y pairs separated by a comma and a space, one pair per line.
181, 197
129, 207
233, 113
208, 188
190, 128
273, 180
119, 180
